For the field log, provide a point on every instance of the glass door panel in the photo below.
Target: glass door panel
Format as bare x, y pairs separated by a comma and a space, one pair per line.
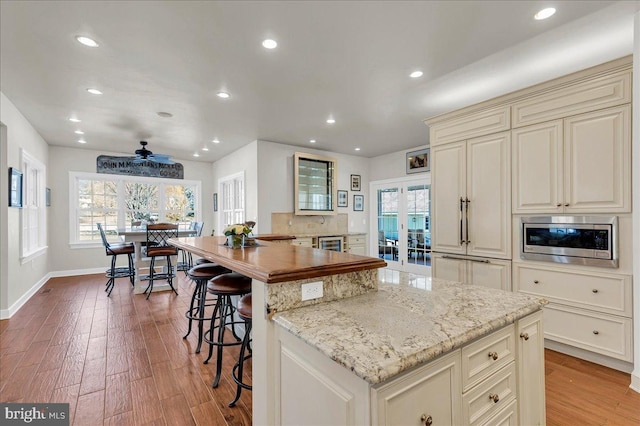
388, 230
418, 235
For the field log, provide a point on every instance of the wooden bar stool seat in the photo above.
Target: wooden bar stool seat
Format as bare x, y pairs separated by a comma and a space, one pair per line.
245, 313
202, 261
224, 287
201, 274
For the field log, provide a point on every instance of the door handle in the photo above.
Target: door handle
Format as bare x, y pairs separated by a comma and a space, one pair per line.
461, 213
446, 256
466, 216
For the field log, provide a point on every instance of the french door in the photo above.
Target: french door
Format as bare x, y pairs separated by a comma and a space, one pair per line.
401, 223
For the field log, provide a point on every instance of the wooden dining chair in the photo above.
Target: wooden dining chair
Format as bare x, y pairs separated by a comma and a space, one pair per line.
157, 246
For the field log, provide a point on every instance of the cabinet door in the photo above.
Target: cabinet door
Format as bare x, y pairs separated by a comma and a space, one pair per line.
597, 162
489, 193
431, 392
530, 355
490, 273
448, 177
537, 167
447, 268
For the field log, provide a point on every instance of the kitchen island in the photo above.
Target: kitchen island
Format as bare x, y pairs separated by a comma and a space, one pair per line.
371, 352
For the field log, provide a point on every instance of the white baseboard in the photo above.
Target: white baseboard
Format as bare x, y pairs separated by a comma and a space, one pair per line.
635, 383
8, 313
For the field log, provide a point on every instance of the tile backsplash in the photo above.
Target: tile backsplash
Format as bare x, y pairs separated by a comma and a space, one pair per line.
290, 224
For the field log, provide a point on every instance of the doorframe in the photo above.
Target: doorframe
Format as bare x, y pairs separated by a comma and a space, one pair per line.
401, 182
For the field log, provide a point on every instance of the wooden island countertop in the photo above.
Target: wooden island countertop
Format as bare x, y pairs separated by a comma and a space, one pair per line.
275, 263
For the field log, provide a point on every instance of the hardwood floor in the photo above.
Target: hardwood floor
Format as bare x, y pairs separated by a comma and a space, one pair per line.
122, 361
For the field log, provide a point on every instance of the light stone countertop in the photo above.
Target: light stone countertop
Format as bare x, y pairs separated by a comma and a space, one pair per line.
410, 320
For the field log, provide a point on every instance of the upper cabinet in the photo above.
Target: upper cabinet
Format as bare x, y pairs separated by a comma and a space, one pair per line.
315, 186
577, 165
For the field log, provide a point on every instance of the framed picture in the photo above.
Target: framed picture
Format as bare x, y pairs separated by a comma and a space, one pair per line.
215, 201
355, 182
358, 203
418, 161
15, 187
47, 197
343, 198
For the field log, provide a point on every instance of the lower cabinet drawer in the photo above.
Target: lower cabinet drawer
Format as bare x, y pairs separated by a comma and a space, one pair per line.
605, 334
486, 356
507, 417
355, 240
489, 397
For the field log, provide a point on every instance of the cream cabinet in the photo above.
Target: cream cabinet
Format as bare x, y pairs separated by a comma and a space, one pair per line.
315, 188
303, 242
428, 396
494, 273
471, 190
581, 164
530, 353
357, 244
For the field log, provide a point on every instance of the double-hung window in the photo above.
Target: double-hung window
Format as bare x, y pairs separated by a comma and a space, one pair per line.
118, 202
232, 194
33, 231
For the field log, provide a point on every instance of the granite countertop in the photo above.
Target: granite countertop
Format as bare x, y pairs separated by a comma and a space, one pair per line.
410, 320
334, 234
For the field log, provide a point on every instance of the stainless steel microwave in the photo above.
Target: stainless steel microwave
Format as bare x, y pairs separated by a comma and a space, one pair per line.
582, 240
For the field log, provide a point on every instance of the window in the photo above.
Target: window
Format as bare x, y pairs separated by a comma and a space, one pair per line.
33, 235
232, 190
118, 201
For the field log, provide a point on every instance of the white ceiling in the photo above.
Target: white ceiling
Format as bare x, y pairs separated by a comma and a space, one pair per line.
348, 60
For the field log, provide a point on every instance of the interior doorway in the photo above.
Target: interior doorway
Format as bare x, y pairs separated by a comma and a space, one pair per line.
401, 223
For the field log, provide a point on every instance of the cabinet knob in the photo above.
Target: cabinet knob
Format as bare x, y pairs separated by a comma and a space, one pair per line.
566, 204
493, 355
536, 282
427, 420
494, 397
595, 290
524, 336
596, 332
559, 205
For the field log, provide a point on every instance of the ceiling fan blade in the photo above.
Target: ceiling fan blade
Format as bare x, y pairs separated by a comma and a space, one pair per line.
161, 158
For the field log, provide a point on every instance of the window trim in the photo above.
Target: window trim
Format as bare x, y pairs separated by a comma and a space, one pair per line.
240, 176
75, 243
30, 163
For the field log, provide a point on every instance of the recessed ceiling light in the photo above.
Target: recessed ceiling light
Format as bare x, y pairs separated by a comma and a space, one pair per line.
416, 74
94, 91
544, 13
79, 132
215, 141
81, 141
312, 141
223, 95
87, 41
270, 44
331, 121
164, 114
195, 154
206, 148
357, 149
75, 120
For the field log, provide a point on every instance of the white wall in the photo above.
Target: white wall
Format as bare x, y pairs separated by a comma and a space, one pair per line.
391, 166
275, 183
17, 279
243, 160
64, 160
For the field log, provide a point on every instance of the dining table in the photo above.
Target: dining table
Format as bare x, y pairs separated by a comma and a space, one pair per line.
138, 235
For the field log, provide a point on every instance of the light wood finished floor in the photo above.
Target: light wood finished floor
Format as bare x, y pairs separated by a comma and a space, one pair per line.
122, 361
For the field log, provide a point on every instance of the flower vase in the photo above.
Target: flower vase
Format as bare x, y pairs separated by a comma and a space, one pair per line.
235, 241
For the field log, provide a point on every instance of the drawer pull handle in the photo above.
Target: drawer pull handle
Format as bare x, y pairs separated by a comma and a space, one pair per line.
596, 332
595, 290
493, 355
524, 336
536, 282
566, 204
427, 420
494, 397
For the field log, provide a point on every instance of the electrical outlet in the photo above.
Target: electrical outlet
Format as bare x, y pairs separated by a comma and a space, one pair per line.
311, 290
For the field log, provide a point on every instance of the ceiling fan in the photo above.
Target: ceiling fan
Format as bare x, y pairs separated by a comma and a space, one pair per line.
143, 154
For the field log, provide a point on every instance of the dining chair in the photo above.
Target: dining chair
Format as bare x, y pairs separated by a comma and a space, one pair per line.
114, 250
157, 246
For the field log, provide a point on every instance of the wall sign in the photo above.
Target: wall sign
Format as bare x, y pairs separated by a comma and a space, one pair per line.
126, 166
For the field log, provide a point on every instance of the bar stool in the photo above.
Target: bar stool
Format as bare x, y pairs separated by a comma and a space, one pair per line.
224, 286
114, 250
244, 312
200, 274
202, 261
158, 236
